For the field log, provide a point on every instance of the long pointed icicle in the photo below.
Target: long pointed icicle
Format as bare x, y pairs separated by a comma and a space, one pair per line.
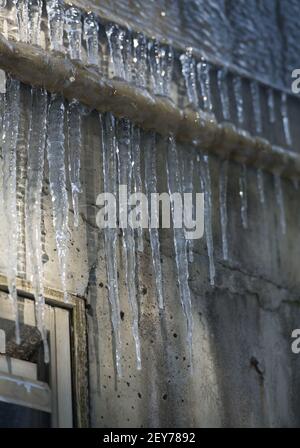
271, 105
174, 185
189, 73
223, 181
23, 20
35, 172
244, 196
115, 38
90, 33
224, 93
205, 171
125, 179
9, 155
280, 201
57, 179
187, 187
151, 188
285, 119
109, 148
239, 100
137, 178
140, 60
55, 14
35, 16
260, 186
73, 27
74, 144
256, 106
203, 69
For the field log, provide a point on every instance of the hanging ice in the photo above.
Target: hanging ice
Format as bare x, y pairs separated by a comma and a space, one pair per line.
73, 27
151, 188
256, 106
189, 74
3, 19
109, 148
260, 186
23, 19
125, 179
280, 201
115, 37
285, 119
167, 69
35, 15
90, 32
239, 100
187, 187
223, 92
140, 60
174, 185
156, 54
57, 180
244, 196
203, 70
271, 105
55, 14
137, 179
9, 161
128, 56
205, 174
74, 146
35, 172
22, 143
223, 180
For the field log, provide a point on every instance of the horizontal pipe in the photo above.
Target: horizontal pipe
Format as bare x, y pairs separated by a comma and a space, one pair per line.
74, 80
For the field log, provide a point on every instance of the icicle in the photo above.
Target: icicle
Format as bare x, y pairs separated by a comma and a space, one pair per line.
271, 105
73, 28
205, 171
115, 37
55, 14
167, 70
109, 148
260, 186
187, 187
280, 201
125, 179
189, 74
256, 106
151, 188
23, 19
239, 101
137, 179
22, 143
74, 144
35, 172
203, 70
128, 56
285, 119
174, 185
223, 181
3, 19
244, 196
90, 32
9, 150
223, 92
35, 15
156, 54
57, 180
140, 60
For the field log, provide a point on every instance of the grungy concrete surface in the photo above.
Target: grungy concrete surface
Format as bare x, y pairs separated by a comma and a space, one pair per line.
244, 373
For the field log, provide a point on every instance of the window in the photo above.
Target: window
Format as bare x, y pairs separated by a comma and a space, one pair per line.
32, 393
